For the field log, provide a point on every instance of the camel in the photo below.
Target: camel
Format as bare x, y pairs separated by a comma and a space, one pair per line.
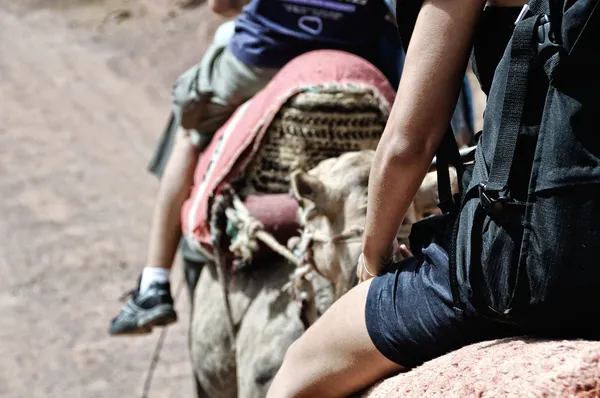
267, 316
333, 202
256, 298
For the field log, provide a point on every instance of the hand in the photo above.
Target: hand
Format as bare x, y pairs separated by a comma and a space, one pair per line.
365, 272
404, 251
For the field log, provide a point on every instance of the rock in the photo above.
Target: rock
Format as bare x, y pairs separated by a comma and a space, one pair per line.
517, 367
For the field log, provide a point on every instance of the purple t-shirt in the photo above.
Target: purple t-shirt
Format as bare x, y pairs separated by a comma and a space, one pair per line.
269, 33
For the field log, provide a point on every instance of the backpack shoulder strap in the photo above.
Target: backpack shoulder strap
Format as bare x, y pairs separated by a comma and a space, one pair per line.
531, 39
522, 53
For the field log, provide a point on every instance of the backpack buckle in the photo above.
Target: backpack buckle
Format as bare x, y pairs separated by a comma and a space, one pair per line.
546, 41
493, 201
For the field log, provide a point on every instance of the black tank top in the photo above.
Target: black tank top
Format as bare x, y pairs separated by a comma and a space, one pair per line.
493, 33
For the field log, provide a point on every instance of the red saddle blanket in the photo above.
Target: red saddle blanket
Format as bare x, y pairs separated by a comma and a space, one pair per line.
235, 144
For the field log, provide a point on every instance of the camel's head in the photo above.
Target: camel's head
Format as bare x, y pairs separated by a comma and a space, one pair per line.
332, 199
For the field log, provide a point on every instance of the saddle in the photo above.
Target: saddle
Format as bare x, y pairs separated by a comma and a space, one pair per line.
320, 105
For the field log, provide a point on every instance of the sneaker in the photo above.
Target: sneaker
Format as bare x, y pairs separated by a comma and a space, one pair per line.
143, 311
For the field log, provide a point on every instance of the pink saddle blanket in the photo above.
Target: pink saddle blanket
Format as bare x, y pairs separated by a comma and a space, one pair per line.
235, 144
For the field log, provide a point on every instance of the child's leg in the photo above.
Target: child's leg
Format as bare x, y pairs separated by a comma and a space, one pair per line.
204, 97
230, 83
174, 189
152, 303
174, 162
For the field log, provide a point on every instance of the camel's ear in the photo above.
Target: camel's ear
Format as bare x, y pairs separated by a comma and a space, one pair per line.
307, 188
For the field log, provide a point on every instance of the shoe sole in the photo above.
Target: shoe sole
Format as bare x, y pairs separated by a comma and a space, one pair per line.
156, 317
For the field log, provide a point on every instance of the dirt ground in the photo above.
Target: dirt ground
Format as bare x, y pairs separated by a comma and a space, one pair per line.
84, 93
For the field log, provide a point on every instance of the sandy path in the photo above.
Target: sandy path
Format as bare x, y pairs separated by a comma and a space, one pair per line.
78, 122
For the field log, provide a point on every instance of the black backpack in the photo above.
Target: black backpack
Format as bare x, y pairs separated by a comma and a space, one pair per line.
524, 245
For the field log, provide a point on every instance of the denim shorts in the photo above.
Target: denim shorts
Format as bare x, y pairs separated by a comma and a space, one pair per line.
411, 317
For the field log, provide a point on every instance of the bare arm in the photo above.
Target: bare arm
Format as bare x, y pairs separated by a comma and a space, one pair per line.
435, 65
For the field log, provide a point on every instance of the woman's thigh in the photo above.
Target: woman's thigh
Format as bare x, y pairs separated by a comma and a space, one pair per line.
334, 357
388, 324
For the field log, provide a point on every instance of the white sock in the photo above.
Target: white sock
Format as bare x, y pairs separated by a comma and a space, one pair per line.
151, 275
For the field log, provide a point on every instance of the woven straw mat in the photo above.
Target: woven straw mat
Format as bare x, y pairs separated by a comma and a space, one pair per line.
314, 125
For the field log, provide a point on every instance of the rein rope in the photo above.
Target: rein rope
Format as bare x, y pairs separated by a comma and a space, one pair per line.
251, 232
157, 350
216, 226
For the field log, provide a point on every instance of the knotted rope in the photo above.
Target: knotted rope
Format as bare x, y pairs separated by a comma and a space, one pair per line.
218, 208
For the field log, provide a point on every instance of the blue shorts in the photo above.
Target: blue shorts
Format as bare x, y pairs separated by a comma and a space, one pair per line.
410, 315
